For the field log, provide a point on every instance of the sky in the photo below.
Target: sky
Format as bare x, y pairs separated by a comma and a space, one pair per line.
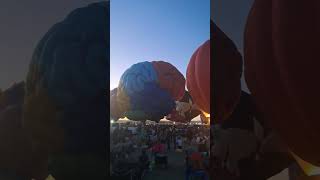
145, 30
23, 24
230, 16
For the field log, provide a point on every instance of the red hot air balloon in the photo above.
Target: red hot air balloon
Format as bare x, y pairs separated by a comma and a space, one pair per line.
227, 70
198, 77
282, 70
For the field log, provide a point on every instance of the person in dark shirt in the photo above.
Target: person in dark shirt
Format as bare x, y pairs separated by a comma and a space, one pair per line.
144, 159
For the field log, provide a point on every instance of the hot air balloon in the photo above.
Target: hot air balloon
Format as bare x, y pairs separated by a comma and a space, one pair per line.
12, 96
17, 148
115, 112
175, 116
185, 110
281, 69
73, 74
184, 105
243, 116
227, 70
69, 70
198, 77
148, 90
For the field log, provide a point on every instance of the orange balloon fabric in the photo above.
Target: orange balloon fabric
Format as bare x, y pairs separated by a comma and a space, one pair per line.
170, 79
227, 70
198, 77
282, 70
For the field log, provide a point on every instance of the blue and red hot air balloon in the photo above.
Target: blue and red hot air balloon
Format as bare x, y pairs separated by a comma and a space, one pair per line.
148, 90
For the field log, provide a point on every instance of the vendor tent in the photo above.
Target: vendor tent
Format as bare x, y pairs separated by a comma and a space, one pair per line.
165, 121
123, 120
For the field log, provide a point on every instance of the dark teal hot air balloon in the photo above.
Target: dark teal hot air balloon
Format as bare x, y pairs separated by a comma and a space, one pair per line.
70, 64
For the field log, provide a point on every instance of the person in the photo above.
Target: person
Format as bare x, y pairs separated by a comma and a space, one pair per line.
143, 158
168, 137
173, 136
161, 155
179, 142
197, 161
189, 134
143, 163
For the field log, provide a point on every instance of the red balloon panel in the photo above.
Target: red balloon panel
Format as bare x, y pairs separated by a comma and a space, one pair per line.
170, 79
198, 77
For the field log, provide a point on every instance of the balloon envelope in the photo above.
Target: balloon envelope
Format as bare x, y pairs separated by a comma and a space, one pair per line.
146, 90
115, 111
282, 70
70, 63
198, 77
185, 110
227, 70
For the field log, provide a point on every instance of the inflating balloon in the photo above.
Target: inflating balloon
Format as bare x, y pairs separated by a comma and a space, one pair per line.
175, 116
70, 63
16, 151
243, 116
185, 110
146, 90
227, 72
12, 96
115, 112
48, 133
198, 77
282, 70
184, 105
69, 70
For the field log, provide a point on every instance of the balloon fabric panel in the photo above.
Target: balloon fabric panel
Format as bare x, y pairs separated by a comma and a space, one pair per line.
153, 101
136, 76
170, 79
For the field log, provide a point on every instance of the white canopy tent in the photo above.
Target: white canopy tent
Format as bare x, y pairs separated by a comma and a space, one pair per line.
123, 120
196, 120
165, 121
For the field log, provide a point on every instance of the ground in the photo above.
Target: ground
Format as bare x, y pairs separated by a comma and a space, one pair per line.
175, 171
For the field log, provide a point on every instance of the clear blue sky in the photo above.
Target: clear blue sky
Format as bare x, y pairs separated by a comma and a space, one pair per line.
148, 30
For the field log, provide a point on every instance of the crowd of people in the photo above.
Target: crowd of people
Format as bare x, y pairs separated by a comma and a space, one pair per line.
137, 149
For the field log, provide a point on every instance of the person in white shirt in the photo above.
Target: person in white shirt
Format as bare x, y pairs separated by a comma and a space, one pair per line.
198, 140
